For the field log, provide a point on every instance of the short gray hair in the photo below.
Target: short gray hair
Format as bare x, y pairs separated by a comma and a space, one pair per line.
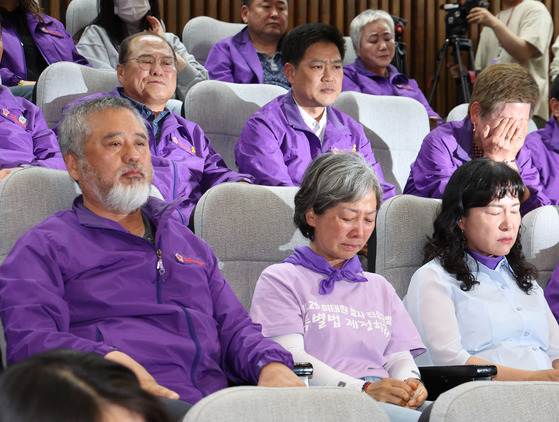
365, 18
330, 179
74, 127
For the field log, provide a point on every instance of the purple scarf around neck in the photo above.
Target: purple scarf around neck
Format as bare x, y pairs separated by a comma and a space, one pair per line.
307, 258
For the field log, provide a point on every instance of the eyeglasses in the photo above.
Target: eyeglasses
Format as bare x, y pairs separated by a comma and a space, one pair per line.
167, 63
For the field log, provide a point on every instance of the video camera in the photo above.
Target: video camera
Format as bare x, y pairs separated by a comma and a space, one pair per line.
455, 18
399, 24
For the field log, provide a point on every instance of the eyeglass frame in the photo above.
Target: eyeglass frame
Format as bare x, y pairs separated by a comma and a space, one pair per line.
155, 60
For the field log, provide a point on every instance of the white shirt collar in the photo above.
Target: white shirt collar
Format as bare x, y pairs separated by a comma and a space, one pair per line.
318, 127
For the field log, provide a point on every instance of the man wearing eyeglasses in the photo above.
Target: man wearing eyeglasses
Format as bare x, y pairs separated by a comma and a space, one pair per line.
184, 162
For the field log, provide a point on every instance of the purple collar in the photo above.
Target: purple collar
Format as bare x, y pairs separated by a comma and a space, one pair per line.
490, 262
307, 258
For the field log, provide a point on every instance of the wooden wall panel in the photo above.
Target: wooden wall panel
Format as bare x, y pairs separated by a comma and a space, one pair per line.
424, 34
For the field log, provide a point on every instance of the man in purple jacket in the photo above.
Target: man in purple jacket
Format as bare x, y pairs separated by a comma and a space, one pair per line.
544, 147
281, 139
120, 276
25, 139
252, 56
185, 164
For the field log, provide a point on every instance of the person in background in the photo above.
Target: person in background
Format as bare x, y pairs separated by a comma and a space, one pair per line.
185, 164
321, 306
25, 139
31, 41
253, 55
280, 140
65, 385
503, 100
544, 148
119, 275
100, 41
475, 300
520, 33
372, 35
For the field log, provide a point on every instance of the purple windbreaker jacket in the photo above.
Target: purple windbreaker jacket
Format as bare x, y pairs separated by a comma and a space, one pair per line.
54, 43
448, 147
234, 59
25, 139
358, 78
276, 145
81, 281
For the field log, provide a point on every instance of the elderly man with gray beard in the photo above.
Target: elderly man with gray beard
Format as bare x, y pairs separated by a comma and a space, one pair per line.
119, 275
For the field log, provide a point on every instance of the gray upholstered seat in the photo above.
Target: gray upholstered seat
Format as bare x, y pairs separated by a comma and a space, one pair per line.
403, 224
222, 108
202, 32
64, 82
540, 240
249, 227
350, 54
492, 401
261, 404
395, 140
79, 14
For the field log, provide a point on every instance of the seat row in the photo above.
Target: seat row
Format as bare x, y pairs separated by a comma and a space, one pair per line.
250, 227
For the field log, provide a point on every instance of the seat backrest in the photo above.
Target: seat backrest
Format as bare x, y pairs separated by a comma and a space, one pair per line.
27, 197
350, 54
265, 404
222, 109
403, 224
202, 32
488, 401
395, 126
79, 14
64, 82
249, 227
461, 111
540, 240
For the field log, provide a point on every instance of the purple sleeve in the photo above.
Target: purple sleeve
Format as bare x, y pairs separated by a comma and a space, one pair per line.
32, 307
45, 143
432, 168
552, 293
219, 63
388, 190
348, 84
258, 153
531, 178
245, 349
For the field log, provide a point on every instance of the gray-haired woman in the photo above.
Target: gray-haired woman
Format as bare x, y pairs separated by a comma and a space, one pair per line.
372, 35
322, 307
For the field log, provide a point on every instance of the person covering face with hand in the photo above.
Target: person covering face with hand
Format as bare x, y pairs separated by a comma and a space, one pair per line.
501, 105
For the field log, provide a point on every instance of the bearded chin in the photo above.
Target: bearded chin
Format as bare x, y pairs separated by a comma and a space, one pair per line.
126, 198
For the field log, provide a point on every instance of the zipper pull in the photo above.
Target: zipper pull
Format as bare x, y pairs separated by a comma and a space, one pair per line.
160, 267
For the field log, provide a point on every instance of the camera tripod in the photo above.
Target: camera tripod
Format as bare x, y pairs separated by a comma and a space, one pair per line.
399, 59
458, 45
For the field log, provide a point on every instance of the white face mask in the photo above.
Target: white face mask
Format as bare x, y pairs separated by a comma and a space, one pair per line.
131, 11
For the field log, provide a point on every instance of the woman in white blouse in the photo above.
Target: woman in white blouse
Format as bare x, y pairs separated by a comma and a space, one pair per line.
475, 301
